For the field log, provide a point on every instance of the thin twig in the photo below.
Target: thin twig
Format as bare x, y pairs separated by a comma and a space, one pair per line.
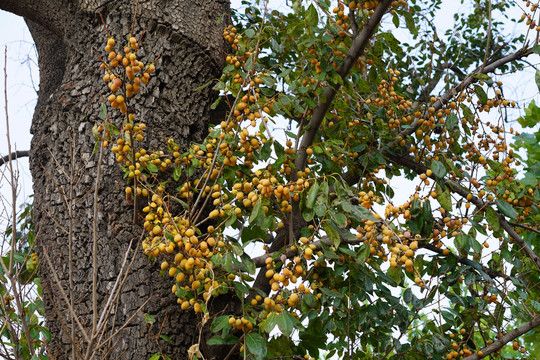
126, 323
95, 241
9, 273
13, 186
488, 43
69, 201
64, 296
528, 228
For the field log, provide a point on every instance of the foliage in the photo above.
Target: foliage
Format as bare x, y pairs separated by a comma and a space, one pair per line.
23, 334
348, 266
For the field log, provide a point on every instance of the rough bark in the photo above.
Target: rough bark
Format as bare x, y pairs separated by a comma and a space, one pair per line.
187, 37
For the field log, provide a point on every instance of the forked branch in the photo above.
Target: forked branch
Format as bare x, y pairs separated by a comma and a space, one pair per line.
505, 339
359, 43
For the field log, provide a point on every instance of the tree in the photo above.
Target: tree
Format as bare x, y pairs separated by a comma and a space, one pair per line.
187, 36
341, 256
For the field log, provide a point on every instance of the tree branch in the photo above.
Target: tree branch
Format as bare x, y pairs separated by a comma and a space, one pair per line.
14, 155
357, 49
505, 339
491, 272
446, 97
424, 95
51, 14
409, 162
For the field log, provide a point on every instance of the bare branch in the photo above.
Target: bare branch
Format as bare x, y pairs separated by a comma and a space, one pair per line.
13, 156
64, 296
9, 272
95, 243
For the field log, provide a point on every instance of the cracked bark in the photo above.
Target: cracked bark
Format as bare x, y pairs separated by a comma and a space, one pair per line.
187, 37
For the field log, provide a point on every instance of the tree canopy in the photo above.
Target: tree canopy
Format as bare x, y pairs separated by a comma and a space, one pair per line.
294, 205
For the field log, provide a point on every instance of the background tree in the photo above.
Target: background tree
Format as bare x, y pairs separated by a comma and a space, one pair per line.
349, 266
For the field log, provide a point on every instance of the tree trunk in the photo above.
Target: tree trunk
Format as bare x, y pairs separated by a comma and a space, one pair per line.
186, 36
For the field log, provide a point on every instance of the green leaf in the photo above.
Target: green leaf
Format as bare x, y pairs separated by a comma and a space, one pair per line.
285, 322
215, 103
290, 134
360, 213
167, 339
151, 167
281, 347
482, 96
395, 20
506, 209
363, 253
309, 300
332, 233
268, 324
177, 173
409, 21
451, 122
204, 86
492, 219
361, 84
103, 111
46, 333
312, 17
312, 195
250, 33
395, 274
219, 323
482, 77
339, 219
240, 288
427, 219
266, 151
478, 227
462, 242
149, 318
156, 356
438, 169
467, 112
227, 340
256, 345
331, 293
444, 198
416, 207
407, 295
255, 212
537, 79
475, 245
308, 214
248, 66
391, 42
268, 81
